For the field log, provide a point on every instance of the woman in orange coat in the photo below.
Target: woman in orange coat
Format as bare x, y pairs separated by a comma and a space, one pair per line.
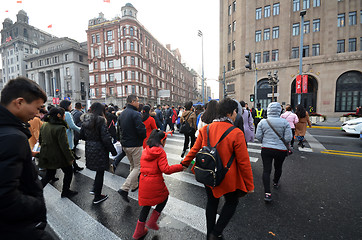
152, 187
239, 179
149, 123
301, 126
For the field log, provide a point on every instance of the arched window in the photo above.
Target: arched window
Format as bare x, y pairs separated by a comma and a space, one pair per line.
131, 31
348, 91
263, 90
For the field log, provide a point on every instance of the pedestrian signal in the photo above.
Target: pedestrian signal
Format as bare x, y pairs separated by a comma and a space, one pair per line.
252, 96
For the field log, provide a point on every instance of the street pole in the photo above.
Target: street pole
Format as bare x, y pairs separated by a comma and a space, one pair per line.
256, 85
223, 83
302, 13
200, 34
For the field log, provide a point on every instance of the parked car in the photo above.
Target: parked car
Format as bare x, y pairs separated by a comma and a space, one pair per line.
353, 126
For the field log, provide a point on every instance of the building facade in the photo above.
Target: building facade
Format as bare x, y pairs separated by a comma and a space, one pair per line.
270, 32
60, 67
19, 40
124, 58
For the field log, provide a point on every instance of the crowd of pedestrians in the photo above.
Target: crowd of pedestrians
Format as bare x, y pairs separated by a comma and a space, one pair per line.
26, 126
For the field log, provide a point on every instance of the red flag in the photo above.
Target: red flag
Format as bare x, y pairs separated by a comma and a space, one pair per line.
107, 1
305, 84
50, 26
19, 1
298, 83
6, 10
8, 39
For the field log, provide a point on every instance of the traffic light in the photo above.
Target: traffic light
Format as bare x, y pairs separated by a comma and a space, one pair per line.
252, 96
248, 60
57, 91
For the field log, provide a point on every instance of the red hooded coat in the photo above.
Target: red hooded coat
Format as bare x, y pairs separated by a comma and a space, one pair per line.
152, 187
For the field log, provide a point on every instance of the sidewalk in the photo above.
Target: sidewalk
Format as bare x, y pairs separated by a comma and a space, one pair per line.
330, 123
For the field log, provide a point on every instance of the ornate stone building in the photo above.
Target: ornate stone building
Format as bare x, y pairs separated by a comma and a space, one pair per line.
270, 31
124, 58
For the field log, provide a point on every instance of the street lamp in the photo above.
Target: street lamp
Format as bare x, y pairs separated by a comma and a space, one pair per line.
302, 13
273, 81
200, 34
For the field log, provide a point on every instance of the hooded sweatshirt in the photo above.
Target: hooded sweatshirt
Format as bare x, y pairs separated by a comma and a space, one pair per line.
152, 188
266, 135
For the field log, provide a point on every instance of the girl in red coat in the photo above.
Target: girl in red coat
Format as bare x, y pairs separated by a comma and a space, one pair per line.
152, 189
149, 123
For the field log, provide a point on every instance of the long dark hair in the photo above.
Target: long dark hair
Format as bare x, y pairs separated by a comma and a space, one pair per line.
210, 113
145, 112
300, 111
65, 104
155, 138
98, 109
52, 115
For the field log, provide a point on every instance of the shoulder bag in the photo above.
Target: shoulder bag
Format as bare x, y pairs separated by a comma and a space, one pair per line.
289, 149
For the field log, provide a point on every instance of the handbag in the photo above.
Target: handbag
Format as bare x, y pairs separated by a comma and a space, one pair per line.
185, 127
289, 149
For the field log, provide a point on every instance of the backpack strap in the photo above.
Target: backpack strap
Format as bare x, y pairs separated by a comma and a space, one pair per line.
224, 135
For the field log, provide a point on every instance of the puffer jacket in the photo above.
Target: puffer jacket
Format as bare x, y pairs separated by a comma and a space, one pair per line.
54, 152
266, 135
152, 187
22, 204
98, 142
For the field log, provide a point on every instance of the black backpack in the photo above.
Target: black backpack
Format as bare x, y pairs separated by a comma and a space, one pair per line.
208, 167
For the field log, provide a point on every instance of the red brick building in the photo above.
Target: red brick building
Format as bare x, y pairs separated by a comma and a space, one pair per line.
124, 58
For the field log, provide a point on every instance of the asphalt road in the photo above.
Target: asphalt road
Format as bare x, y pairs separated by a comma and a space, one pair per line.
319, 198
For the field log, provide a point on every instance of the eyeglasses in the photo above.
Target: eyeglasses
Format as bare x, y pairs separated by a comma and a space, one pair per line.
166, 133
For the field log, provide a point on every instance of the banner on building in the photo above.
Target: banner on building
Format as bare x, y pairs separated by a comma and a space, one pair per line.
56, 101
305, 84
298, 84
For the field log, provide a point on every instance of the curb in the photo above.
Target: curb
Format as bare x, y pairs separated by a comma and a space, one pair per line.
322, 127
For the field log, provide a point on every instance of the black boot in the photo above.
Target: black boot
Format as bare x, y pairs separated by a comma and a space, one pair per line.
76, 168
183, 154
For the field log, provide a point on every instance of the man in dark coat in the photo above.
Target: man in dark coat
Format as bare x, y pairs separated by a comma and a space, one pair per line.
168, 117
22, 205
159, 117
132, 132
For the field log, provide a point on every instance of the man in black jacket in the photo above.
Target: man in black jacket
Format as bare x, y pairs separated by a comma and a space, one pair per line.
22, 205
132, 132
159, 117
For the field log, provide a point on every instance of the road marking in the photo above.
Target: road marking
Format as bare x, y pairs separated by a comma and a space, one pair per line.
177, 209
305, 149
314, 143
326, 136
254, 150
341, 154
337, 128
69, 221
254, 144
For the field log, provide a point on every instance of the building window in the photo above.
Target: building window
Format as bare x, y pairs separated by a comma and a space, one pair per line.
110, 50
131, 31
306, 51
229, 29
340, 46
96, 52
96, 92
133, 75
295, 52
258, 13
348, 91
111, 91
109, 35
95, 65
66, 57
132, 46
234, 6
267, 34
267, 11
233, 65
340, 20
110, 64
352, 18
258, 36
257, 57
111, 77
229, 47
95, 78
67, 71
98, 38
229, 66
315, 49
124, 45
316, 3
275, 32
234, 26
125, 60
275, 55
306, 27
234, 47
229, 10
276, 9
360, 17
316, 25
93, 38
352, 45
306, 4
295, 29
133, 61
296, 5
266, 56
360, 43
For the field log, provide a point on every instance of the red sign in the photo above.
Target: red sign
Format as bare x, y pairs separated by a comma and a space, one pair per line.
56, 101
298, 84
305, 84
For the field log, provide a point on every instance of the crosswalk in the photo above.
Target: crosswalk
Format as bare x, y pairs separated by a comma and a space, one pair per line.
184, 210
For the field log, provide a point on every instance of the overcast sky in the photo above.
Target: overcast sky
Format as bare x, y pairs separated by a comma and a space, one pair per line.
174, 22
